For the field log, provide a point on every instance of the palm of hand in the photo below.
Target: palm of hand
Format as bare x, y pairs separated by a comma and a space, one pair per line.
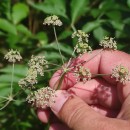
105, 95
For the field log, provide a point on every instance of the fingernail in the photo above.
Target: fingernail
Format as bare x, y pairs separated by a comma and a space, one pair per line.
59, 100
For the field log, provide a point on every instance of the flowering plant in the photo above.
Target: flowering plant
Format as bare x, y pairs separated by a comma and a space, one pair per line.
37, 65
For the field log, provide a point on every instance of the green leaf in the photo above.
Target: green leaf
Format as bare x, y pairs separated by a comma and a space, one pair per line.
6, 78
20, 70
90, 26
5, 8
56, 7
42, 37
12, 40
64, 48
114, 15
64, 34
7, 26
78, 8
20, 11
99, 33
23, 29
117, 25
128, 3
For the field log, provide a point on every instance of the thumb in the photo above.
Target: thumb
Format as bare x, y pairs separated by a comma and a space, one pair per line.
73, 111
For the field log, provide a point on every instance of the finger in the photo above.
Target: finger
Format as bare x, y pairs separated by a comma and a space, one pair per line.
68, 80
43, 115
77, 115
105, 111
58, 126
109, 60
97, 91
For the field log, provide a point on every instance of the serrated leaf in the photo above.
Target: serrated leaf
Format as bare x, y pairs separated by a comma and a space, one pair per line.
7, 26
56, 7
78, 8
20, 11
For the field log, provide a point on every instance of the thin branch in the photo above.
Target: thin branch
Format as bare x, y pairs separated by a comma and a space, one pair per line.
12, 79
7, 103
58, 44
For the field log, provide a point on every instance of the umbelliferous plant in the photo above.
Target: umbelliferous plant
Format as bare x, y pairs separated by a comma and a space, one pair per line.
37, 65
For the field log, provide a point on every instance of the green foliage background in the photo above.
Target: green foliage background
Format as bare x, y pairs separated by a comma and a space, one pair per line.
21, 28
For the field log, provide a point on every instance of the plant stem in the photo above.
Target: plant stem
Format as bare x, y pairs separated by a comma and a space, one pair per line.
3, 97
12, 80
49, 63
50, 70
71, 58
5, 105
101, 74
73, 27
58, 44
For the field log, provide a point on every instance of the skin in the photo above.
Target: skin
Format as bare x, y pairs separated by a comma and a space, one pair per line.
101, 103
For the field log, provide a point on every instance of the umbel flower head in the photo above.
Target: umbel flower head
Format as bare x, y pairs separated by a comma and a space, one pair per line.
52, 20
13, 56
121, 74
41, 97
108, 43
36, 67
82, 74
82, 44
81, 36
82, 48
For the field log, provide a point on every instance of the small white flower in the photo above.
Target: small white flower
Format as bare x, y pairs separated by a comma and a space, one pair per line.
13, 56
121, 74
81, 36
108, 43
36, 67
82, 48
41, 97
52, 20
82, 74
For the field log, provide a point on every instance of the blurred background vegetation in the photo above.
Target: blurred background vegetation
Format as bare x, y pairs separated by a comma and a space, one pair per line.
21, 28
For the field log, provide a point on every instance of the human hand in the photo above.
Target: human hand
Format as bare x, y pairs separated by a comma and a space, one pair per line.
101, 103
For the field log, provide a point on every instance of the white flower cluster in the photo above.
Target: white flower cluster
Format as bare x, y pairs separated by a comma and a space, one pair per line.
41, 97
121, 74
82, 44
81, 36
36, 67
82, 74
108, 43
52, 20
13, 56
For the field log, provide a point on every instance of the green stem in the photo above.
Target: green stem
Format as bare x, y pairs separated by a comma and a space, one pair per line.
58, 44
12, 79
73, 27
3, 97
49, 63
60, 82
50, 70
101, 74
6, 104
